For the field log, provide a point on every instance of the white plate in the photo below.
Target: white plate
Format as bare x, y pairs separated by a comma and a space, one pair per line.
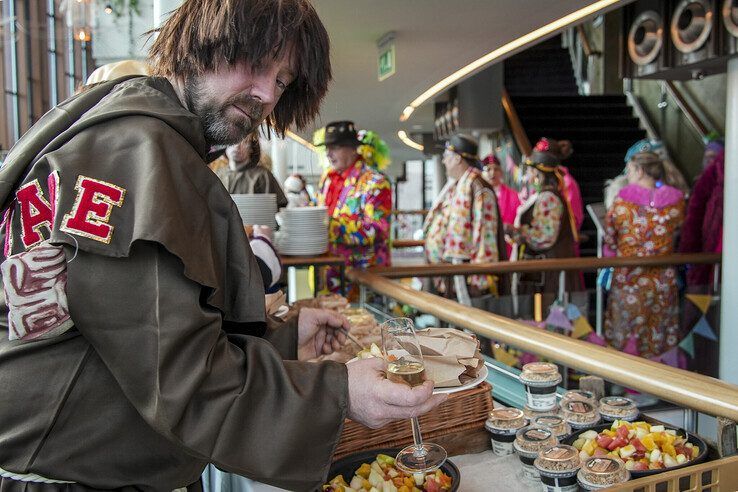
471, 384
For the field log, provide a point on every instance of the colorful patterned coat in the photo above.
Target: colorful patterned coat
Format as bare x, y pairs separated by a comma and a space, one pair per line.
464, 224
643, 302
360, 224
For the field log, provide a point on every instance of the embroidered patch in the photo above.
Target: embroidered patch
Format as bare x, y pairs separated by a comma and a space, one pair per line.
35, 283
92, 208
8, 227
35, 212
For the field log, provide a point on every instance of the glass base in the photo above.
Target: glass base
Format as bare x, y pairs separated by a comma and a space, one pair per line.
426, 459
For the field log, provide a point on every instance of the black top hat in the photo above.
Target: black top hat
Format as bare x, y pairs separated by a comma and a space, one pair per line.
465, 146
341, 133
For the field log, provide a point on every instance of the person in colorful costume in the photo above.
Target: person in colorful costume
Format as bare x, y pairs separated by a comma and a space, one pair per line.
135, 347
643, 304
703, 226
464, 225
545, 226
507, 198
359, 202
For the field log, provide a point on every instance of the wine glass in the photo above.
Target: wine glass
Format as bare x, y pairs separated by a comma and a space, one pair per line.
405, 365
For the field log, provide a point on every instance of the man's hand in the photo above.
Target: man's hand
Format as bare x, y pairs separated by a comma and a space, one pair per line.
375, 401
319, 332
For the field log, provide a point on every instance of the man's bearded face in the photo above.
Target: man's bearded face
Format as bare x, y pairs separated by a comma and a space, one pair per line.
234, 100
225, 122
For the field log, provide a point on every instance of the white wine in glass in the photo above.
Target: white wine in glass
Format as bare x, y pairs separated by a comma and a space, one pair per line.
405, 365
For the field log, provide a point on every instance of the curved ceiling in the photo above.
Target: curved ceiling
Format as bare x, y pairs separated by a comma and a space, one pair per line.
433, 38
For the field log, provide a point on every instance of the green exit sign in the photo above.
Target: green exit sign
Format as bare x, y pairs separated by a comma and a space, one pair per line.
386, 61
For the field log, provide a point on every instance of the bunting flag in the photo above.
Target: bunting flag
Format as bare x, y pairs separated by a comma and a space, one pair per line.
502, 355
596, 339
704, 329
582, 328
702, 301
631, 345
670, 357
572, 311
557, 318
688, 344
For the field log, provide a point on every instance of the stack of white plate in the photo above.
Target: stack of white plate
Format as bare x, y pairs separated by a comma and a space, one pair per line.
257, 209
303, 231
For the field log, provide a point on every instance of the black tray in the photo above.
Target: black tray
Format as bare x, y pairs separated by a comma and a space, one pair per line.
348, 465
694, 439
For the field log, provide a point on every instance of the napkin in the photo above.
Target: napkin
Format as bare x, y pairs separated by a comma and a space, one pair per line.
451, 356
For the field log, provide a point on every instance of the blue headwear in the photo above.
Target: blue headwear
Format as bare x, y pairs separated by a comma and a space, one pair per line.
646, 145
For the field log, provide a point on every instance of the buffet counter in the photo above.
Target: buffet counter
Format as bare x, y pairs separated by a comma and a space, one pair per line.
479, 466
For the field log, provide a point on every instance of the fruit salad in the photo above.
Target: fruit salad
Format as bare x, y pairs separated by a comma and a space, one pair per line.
383, 476
640, 445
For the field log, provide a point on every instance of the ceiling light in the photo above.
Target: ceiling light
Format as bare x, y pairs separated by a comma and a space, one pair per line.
108, 9
409, 141
503, 50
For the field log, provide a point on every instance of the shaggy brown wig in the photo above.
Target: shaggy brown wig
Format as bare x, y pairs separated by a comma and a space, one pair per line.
202, 34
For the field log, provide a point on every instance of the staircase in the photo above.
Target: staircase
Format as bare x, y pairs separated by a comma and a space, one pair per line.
541, 84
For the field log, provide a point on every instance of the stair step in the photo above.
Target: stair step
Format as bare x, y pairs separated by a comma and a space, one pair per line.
567, 101
568, 121
588, 139
592, 111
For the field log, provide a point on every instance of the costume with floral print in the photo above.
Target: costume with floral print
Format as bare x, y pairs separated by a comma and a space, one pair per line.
644, 301
464, 224
543, 230
359, 226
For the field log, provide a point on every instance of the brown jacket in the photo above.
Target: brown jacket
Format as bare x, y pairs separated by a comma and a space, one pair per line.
147, 388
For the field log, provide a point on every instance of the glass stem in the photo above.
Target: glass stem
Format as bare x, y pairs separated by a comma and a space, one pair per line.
418, 438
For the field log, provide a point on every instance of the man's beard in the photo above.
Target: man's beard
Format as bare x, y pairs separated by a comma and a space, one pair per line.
221, 128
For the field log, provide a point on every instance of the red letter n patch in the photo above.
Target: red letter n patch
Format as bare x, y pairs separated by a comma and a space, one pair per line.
92, 208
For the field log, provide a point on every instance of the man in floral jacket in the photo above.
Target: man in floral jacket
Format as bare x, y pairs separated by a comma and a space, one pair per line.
359, 201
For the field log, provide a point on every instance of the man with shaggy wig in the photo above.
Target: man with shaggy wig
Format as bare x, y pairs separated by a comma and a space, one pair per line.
135, 348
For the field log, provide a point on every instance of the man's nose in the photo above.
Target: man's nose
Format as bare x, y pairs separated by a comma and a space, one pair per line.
265, 89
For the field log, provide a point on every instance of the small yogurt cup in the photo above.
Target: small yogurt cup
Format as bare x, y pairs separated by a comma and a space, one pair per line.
541, 380
558, 466
529, 441
556, 423
580, 395
580, 414
531, 414
618, 408
503, 424
601, 472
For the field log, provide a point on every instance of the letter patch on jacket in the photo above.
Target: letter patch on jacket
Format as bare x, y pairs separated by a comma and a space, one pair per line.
35, 283
92, 208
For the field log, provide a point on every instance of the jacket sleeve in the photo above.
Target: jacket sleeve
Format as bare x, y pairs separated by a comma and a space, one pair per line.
372, 223
230, 400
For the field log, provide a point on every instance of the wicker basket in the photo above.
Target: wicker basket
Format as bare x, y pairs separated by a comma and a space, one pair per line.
462, 411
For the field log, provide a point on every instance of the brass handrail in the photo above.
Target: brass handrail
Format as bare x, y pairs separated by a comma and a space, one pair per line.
586, 46
521, 138
407, 243
684, 106
701, 393
546, 265
410, 212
